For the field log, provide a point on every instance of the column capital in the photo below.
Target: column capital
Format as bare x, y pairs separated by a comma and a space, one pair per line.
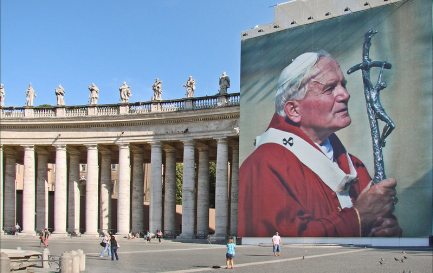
91, 146
28, 147
60, 147
222, 139
123, 145
188, 142
155, 143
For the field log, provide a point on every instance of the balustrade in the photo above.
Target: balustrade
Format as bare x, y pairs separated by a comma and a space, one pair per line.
107, 110
12, 112
76, 111
44, 112
114, 109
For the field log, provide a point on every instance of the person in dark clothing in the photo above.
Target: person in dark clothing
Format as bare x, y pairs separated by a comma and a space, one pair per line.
114, 246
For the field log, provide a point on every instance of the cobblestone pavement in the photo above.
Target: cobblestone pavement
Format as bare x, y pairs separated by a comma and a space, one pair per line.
170, 256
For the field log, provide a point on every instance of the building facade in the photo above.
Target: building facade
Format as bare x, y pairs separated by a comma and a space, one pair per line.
143, 142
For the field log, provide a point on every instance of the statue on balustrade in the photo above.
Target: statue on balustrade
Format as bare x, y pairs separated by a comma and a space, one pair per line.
30, 95
94, 94
60, 95
224, 83
190, 87
157, 89
125, 93
2, 95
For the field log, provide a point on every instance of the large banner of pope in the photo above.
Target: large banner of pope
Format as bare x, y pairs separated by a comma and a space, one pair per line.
306, 150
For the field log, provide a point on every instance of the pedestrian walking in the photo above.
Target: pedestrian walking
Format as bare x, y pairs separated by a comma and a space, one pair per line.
148, 236
17, 229
276, 242
45, 234
114, 246
159, 235
105, 243
230, 253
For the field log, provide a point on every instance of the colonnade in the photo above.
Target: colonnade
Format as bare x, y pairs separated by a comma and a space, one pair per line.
131, 175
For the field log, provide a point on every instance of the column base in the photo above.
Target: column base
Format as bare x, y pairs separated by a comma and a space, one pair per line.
186, 236
59, 234
90, 234
219, 237
26, 233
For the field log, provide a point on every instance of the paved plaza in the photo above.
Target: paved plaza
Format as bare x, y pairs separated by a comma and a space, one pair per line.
171, 256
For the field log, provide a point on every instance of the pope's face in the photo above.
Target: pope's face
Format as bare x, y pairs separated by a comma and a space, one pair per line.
324, 109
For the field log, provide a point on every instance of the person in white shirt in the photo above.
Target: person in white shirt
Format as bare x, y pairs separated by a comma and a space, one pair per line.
276, 242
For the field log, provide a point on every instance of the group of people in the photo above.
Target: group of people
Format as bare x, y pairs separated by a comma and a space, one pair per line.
43, 237
110, 246
149, 235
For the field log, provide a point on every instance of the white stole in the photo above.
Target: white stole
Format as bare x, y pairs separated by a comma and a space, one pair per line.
328, 171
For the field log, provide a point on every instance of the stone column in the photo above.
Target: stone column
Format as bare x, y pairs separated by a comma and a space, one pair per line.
137, 219
1, 189
188, 190
124, 202
105, 194
42, 189
155, 210
9, 188
74, 192
234, 189
29, 190
92, 190
203, 192
221, 189
170, 191
60, 194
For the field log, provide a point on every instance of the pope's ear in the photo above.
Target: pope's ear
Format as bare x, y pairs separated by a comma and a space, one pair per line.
291, 108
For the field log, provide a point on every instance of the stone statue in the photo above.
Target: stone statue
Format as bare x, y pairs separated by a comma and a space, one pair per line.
224, 83
2, 95
94, 94
60, 95
125, 93
190, 87
157, 89
30, 95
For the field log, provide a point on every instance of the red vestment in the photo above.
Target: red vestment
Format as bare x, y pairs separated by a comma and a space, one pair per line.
279, 193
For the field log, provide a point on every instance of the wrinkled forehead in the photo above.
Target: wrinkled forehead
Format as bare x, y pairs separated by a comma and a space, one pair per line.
325, 70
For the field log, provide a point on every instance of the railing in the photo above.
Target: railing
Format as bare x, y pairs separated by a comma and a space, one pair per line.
76, 111
107, 110
172, 106
197, 103
12, 112
140, 108
206, 103
44, 112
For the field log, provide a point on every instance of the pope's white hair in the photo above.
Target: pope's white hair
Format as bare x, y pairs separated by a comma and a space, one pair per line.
293, 78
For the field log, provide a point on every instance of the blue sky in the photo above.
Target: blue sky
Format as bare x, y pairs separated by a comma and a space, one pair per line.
77, 42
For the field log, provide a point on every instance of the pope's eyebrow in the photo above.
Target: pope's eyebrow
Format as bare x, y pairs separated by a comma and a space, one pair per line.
330, 83
344, 82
